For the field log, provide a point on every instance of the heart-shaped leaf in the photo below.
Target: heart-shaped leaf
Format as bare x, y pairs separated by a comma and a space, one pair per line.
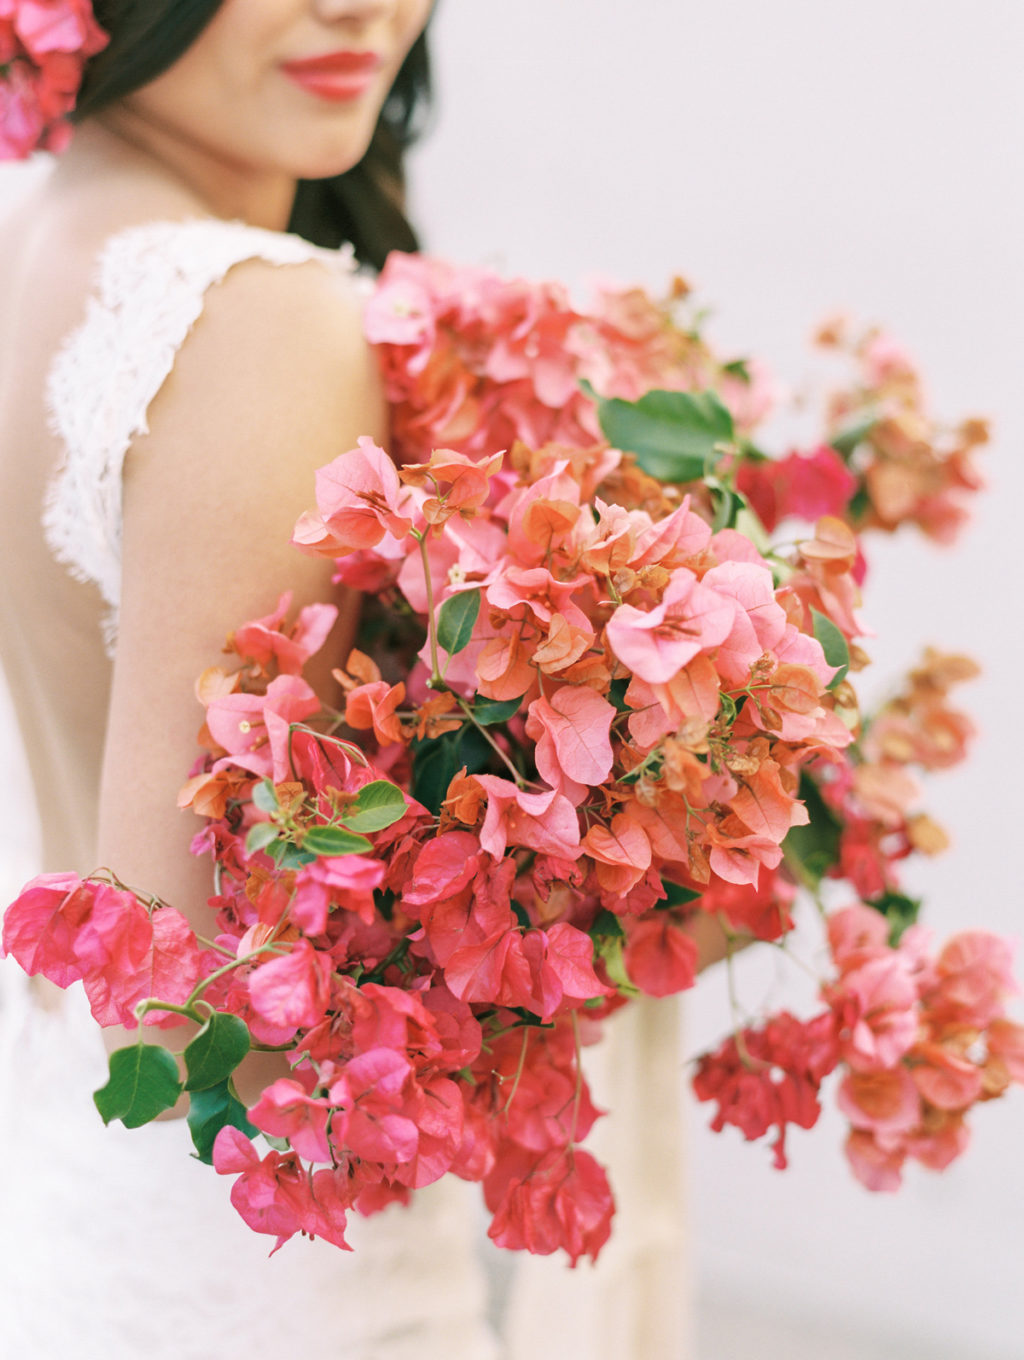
216, 1051
456, 619
212, 1110
144, 1082
378, 805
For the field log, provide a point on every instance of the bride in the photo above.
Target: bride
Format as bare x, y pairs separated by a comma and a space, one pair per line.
174, 365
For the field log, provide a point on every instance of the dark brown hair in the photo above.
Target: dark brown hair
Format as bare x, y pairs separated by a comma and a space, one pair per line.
366, 205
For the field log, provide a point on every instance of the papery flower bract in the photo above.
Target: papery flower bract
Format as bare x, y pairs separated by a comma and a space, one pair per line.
286, 1110
885, 1102
621, 853
572, 735
946, 1080
564, 974
44, 45
249, 726
657, 643
359, 500
875, 1165
373, 707
292, 990
467, 483
264, 640
166, 965
802, 485
42, 923
565, 1201
883, 1012
975, 975
373, 1116
546, 822
1006, 1042
856, 934
276, 1196
660, 958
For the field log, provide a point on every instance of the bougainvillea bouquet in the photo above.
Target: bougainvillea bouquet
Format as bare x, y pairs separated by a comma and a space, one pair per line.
591, 707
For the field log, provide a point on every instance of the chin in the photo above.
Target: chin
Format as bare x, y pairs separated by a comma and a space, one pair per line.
325, 156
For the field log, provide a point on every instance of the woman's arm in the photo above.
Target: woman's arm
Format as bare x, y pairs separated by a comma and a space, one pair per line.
274, 382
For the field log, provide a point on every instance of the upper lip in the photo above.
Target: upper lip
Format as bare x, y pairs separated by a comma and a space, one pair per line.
334, 63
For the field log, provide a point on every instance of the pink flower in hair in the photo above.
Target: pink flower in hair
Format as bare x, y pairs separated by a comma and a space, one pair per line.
44, 45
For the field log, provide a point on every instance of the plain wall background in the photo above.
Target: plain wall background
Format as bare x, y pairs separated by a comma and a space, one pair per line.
791, 158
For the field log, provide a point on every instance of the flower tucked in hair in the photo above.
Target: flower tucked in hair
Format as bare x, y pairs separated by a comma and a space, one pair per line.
44, 45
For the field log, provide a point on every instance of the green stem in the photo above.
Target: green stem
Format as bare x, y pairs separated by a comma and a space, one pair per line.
519, 1070
152, 1003
578, 1095
468, 711
800, 872
436, 680
201, 986
734, 1005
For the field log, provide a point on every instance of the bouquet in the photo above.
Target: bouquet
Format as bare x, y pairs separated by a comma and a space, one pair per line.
592, 707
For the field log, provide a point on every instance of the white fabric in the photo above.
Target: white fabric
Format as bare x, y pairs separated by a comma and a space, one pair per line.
150, 287
116, 1245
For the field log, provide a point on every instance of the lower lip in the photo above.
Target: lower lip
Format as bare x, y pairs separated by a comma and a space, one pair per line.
337, 87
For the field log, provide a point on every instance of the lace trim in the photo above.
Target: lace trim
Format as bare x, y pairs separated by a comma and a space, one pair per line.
150, 289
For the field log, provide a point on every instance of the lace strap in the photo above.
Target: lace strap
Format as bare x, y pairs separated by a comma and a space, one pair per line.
150, 290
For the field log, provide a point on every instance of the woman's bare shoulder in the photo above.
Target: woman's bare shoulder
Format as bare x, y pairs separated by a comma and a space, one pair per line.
277, 353
274, 381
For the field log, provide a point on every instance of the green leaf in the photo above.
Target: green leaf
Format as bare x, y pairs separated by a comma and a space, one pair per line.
260, 836
738, 368
899, 910
860, 503
673, 434
211, 1110
435, 764
216, 1051
847, 440
455, 620
380, 804
676, 895
264, 796
384, 900
437, 760
609, 949
288, 856
617, 694
487, 712
833, 644
606, 925
333, 840
727, 506
814, 846
143, 1083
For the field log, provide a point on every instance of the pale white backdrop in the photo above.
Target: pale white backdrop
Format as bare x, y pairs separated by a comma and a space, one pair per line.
792, 157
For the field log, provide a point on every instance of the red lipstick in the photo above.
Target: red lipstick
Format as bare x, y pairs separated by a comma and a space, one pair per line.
336, 76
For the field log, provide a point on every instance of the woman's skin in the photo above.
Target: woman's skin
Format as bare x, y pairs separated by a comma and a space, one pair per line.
275, 381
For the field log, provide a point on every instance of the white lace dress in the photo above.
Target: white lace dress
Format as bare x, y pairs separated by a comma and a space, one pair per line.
116, 1245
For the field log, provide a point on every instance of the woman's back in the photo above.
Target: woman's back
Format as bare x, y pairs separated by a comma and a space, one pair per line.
51, 638
52, 625
50, 635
